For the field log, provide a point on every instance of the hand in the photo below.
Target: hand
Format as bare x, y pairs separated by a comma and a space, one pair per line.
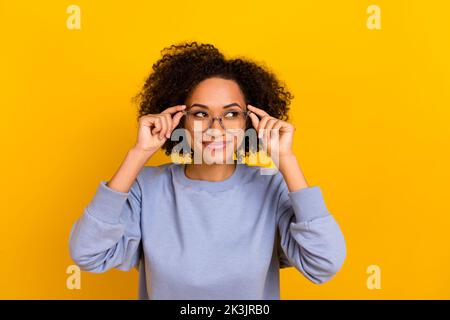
275, 133
155, 129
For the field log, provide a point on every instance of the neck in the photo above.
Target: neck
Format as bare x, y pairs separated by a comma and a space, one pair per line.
209, 172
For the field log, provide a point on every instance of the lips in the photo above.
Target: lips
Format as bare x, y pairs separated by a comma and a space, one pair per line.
215, 144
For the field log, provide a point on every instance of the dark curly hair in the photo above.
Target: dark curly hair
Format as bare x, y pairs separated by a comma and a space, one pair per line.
184, 65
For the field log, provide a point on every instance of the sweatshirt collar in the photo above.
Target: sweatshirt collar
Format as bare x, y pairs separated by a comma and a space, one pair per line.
211, 186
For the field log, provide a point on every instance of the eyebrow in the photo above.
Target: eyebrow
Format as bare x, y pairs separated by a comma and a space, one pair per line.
234, 104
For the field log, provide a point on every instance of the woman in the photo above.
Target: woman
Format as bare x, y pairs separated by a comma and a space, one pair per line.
212, 228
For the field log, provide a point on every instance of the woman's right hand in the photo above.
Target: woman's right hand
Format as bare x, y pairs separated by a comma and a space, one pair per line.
155, 129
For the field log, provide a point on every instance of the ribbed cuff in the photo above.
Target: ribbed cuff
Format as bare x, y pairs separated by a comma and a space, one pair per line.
308, 203
107, 203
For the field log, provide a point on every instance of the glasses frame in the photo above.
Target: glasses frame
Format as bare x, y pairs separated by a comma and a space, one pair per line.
219, 118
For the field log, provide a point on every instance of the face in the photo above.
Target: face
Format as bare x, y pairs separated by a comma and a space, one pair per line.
215, 97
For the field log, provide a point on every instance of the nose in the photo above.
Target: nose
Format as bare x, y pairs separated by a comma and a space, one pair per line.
215, 129
214, 133
216, 123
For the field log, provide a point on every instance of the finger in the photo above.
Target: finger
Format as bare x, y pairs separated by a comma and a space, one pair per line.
277, 127
258, 111
255, 120
176, 119
276, 133
269, 127
265, 130
174, 109
164, 125
157, 127
147, 121
161, 130
169, 124
286, 126
262, 125
167, 119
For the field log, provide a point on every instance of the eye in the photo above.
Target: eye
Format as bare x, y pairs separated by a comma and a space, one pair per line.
231, 114
200, 114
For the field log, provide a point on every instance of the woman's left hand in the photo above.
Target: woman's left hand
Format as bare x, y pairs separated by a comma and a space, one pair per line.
274, 132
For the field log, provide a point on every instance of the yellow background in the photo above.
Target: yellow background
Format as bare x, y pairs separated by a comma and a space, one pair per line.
371, 110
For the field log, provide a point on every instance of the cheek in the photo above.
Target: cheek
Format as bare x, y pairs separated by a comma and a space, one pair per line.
188, 136
194, 140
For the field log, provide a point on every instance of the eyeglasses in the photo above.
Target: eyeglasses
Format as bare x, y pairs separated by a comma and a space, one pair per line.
229, 120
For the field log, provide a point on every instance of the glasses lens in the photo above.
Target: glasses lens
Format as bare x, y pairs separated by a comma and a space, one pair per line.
198, 120
234, 119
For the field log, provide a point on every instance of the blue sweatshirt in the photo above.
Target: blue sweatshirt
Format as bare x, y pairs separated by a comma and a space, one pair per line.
198, 239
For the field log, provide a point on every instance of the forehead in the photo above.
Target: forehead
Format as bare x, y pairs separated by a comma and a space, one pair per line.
216, 92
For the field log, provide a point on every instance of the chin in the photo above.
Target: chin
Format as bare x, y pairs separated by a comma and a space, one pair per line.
218, 159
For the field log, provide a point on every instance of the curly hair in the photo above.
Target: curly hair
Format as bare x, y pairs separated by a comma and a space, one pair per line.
182, 66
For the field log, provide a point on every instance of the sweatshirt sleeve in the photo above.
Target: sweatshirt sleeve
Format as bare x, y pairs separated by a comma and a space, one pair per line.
108, 233
310, 238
